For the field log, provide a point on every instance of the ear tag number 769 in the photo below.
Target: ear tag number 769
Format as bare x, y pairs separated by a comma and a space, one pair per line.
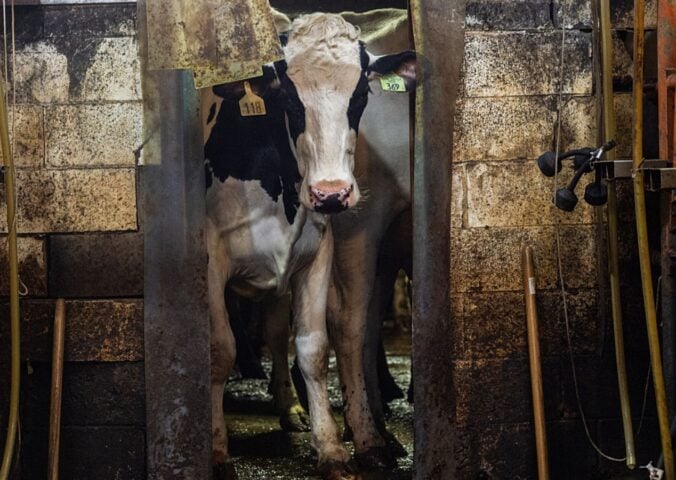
251, 105
393, 83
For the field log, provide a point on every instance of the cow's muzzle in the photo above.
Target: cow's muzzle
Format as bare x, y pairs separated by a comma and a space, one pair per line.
331, 196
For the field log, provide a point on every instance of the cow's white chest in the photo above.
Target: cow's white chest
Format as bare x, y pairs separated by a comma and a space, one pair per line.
253, 238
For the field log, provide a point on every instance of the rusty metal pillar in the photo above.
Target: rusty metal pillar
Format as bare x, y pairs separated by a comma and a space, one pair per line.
666, 87
176, 333
438, 30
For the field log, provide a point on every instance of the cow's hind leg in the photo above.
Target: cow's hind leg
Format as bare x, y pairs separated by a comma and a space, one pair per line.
310, 288
276, 315
222, 360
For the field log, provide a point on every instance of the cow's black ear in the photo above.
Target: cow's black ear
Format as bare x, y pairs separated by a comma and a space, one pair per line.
402, 63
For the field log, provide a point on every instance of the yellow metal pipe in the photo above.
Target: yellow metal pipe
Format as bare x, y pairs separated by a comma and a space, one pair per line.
57, 388
528, 272
644, 247
613, 250
10, 198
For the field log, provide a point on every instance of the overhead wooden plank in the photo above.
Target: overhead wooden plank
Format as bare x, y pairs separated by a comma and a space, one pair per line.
438, 28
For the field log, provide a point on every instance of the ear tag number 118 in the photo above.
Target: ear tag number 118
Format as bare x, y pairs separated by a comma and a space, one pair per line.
393, 83
251, 105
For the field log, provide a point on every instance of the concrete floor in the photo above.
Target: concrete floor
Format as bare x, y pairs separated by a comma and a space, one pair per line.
262, 451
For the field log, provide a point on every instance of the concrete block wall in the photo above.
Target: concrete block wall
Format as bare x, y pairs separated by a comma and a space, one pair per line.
77, 131
507, 117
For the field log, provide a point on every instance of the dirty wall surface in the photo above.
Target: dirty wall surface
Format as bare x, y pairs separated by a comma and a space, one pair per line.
77, 128
507, 117
78, 131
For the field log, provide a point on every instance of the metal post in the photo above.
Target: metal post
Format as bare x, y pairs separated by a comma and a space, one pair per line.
177, 354
666, 90
438, 28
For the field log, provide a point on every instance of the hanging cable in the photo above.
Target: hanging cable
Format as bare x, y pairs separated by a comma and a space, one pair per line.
564, 295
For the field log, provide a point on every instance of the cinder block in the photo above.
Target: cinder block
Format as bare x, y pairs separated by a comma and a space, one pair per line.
32, 266
96, 330
489, 259
570, 454
524, 63
93, 135
90, 21
578, 123
29, 142
75, 201
510, 194
76, 263
622, 14
512, 15
495, 323
503, 128
42, 74
572, 14
458, 186
113, 73
88, 453
497, 391
93, 394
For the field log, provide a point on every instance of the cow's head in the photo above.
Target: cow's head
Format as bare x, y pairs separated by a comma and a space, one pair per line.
325, 82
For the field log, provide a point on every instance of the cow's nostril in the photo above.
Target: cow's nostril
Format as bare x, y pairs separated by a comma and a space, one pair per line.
330, 196
336, 189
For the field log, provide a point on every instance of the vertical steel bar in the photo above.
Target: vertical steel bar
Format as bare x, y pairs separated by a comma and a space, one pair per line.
57, 388
613, 248
176, 327
438, 27
666, 83
643, 244
529, 289
12, 259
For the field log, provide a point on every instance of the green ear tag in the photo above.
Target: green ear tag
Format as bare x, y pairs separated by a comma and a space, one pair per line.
393, 83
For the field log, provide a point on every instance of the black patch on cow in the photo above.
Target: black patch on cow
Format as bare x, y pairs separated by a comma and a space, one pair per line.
284, 38
295, 110
256, 148
212, 113
364, 56
208, 176
359, 97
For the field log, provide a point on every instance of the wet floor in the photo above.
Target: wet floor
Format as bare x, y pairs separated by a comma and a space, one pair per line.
262, 451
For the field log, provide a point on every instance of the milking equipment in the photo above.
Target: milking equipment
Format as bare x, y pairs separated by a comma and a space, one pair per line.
650, 173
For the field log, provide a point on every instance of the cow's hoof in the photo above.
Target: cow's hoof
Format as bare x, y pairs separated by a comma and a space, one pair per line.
224, 471
295, 419
395, 447
376, 458
338, 471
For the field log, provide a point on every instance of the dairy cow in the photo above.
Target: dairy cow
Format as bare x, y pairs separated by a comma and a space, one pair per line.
373, 242
272, 181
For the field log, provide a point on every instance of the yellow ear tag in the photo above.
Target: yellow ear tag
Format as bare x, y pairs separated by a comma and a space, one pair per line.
393, 83
251, 105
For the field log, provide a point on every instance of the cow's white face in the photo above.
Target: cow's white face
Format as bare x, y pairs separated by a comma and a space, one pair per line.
325, 80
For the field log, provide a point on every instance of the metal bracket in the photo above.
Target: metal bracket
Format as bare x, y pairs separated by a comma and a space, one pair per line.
657, 179
657, 175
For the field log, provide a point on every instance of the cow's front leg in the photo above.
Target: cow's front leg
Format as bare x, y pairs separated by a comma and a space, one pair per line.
222, 360
292, 416
310, 287
352, 286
